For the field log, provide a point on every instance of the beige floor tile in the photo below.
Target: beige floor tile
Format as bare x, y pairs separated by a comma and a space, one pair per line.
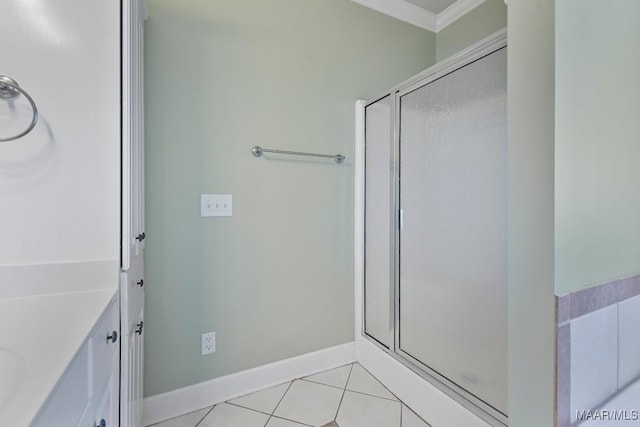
279, 422
226, 415
264, 400
188, 420
410, 419
363, 382
310, 403
361, 410
334, 377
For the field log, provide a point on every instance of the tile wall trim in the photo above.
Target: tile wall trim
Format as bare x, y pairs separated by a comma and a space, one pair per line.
585, 301
570, 307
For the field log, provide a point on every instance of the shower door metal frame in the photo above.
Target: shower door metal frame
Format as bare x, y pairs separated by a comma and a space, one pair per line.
392, 233
485, 47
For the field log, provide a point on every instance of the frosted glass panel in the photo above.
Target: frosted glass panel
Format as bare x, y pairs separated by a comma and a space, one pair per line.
453, 308
378, 244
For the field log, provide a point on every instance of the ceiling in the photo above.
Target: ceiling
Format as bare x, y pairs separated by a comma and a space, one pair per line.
431, 15
433, 6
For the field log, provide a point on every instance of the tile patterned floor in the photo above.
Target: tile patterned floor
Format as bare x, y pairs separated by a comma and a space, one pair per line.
348, 396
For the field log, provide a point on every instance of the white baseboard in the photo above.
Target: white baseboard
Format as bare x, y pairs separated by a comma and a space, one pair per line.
164, 406
426, 400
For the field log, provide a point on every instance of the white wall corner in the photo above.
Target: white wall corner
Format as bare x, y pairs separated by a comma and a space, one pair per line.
404, 11
455, 11
178, 402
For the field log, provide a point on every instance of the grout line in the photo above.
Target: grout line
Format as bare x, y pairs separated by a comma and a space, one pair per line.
293, 421
396, 398
326, 370
248, 409
282, 398
328, 385
373, 395
343, 392
306, 378
205, 415
259, 412
414, 413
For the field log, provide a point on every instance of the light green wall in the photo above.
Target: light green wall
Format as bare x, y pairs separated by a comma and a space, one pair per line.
531, 300
276, 279
481, 22
597, 142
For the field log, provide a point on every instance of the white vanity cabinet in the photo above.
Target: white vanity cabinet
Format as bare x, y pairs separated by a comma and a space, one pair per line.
87, 395
81, 62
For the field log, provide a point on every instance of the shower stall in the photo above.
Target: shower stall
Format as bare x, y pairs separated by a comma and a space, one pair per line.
435, 247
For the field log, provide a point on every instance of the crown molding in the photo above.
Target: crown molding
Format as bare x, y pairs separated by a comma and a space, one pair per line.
456, 11
404, 11
415, 15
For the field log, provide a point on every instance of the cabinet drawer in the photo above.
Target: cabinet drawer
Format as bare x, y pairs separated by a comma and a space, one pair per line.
69, 398
88, 418
108, 403
102, 349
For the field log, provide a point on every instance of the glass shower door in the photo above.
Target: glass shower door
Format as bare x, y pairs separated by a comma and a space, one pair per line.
378, 295
453, 168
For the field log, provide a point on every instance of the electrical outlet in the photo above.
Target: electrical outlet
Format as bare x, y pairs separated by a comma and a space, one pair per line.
208, 343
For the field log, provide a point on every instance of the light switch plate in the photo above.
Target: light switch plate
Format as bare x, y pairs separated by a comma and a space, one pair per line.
216, 205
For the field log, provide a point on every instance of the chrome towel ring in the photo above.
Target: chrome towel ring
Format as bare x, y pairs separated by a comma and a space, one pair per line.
10, 89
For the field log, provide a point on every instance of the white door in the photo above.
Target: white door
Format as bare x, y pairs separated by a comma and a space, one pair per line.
133, 234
